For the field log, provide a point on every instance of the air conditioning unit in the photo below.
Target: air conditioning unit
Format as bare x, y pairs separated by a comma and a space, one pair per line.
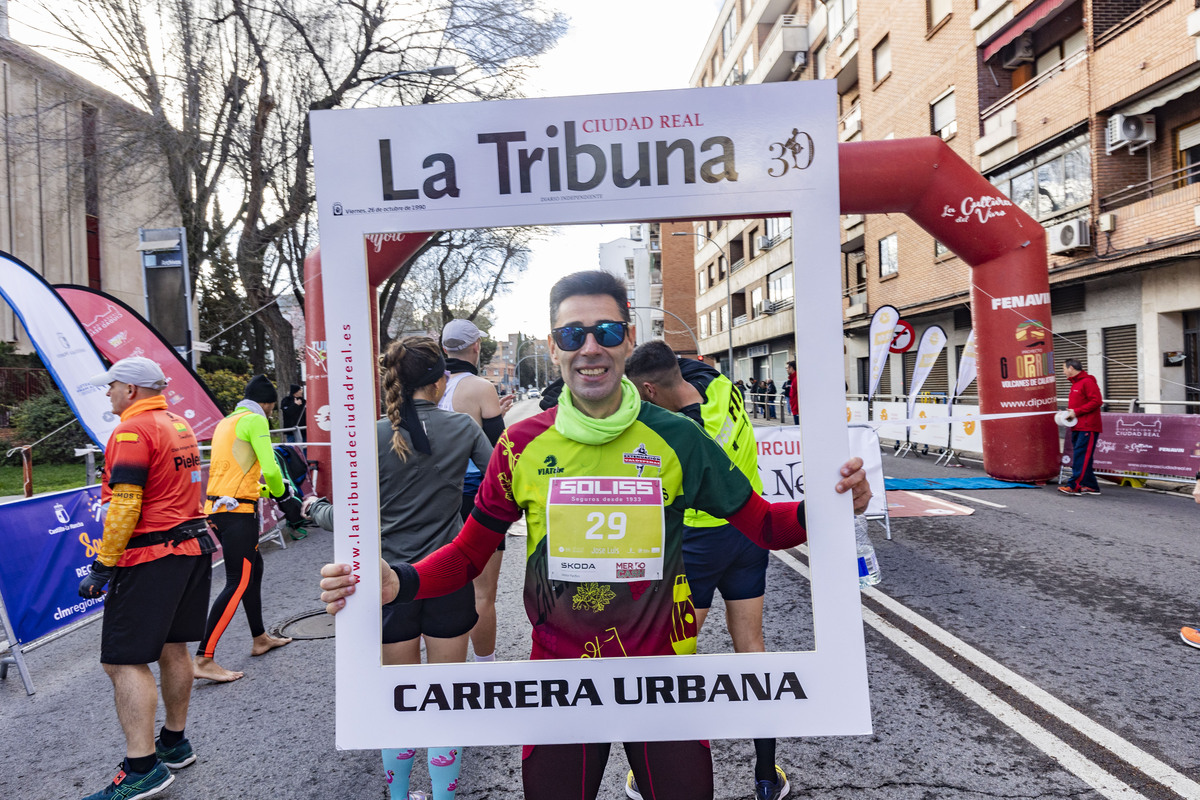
1020, 51
769, 306
800, 60
1069, 236
1135, 131
852, 126
765, 243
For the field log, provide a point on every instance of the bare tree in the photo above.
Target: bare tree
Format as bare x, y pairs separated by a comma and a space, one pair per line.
228, 85
456, 274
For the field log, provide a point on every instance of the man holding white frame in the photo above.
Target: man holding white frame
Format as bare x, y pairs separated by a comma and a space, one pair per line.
602, 429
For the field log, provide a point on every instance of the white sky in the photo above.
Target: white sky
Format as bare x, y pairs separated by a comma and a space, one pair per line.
612, 46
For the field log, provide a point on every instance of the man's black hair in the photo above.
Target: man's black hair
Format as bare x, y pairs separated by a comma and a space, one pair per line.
792, 364
653, 361
594, 281
1073, 363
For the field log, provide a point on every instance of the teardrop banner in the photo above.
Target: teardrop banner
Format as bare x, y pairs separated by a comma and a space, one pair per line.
118, 332
61, 343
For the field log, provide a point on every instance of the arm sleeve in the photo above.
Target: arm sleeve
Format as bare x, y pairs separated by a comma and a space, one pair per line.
482, 448
774, 526
255, 430
322, 514
493, 427
124, 510
454, 565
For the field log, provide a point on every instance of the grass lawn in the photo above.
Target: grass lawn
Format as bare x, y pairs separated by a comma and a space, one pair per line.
46, 477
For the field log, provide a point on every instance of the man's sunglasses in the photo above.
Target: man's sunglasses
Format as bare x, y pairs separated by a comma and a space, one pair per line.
572, 337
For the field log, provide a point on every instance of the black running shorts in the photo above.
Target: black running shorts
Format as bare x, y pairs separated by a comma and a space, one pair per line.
723, 559
151, 604
440, 617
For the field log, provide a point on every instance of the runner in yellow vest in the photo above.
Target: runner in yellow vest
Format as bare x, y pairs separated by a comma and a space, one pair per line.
241, 454
715, 554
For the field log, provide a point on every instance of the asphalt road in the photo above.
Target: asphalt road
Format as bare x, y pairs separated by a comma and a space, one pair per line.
1045, 600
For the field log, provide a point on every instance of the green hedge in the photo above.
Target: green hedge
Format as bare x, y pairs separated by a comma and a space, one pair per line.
37, 417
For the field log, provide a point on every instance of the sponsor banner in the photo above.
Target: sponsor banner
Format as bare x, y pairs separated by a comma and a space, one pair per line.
966, 434
781, 466
889, 420
883, 326
933, 341
933, 433
857, 411
119, 332
967, 365
49, 542
1160, 444
62, 345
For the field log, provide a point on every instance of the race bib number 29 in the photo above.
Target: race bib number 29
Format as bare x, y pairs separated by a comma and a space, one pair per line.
607, 530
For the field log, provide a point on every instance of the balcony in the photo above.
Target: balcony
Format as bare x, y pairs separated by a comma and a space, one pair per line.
776, 59
1045, 106
1185, 178
850, 125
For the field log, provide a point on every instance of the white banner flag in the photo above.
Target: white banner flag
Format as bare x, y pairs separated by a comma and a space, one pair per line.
932, 342
61, 343
966, 365
883, 327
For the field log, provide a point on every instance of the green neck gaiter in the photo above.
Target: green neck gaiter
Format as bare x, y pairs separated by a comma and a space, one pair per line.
579, 427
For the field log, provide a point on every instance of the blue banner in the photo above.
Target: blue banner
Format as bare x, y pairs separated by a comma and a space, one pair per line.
48, 544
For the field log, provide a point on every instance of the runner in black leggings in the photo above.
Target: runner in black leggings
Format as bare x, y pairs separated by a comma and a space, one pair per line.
243, 579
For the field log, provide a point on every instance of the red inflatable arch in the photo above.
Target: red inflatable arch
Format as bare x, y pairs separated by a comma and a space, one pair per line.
925, 179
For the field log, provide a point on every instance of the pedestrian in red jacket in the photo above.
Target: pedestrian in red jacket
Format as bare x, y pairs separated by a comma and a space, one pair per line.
1083, 405
793, 392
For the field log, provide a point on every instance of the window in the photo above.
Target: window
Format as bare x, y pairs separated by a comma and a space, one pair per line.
629, 274
756, 299
779, 228
700, 283
939, 249
748, 60
882, 59
1060, 51
780, 285
712, 322
819, 62
703, 325
725, 317
938, 10
1051, 182
728, 32
889, 255
1189, 152
943, 116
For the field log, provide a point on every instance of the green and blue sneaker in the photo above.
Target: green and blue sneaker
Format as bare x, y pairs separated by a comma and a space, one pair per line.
135, 785
177, 756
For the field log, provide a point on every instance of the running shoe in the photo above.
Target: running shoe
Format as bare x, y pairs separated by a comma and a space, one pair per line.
1087, 490
631, 790
1190, 636
1068, 490
177, 756
135, 785
773, 790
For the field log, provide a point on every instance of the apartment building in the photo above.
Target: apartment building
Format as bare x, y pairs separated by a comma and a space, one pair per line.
1086, 113
72, 193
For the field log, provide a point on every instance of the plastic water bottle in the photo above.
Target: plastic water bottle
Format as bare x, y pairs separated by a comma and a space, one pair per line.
868, 564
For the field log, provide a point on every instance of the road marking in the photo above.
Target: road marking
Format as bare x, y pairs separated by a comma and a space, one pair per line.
1072, 759
967, 497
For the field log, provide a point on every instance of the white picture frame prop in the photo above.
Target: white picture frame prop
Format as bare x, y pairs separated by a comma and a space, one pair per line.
690, 154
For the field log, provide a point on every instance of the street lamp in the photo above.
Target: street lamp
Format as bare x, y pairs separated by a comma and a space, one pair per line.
728, 291
536, 376
695, 341
444, 69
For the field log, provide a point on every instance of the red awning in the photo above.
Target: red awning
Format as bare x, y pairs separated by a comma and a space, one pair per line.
1020, 23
